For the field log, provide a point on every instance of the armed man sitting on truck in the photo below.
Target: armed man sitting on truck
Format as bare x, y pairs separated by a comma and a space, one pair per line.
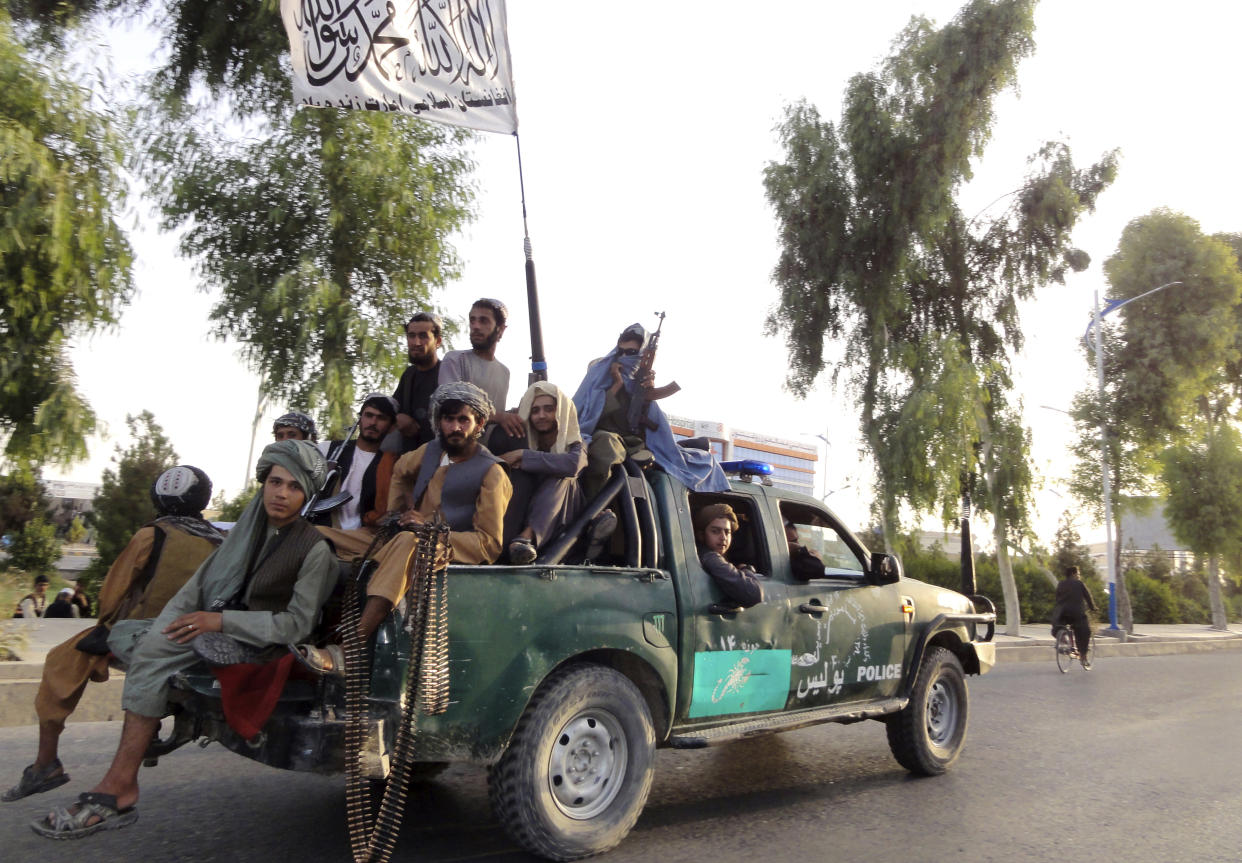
714, 525
453, 475
366, 472
604, 400
264, 585
155, 564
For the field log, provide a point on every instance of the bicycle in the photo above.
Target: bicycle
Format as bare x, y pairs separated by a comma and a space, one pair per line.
1067, 650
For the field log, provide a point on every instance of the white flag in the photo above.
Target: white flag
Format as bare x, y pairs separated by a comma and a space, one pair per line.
442, 60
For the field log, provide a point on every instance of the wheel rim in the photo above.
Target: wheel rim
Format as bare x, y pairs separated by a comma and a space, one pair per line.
1065, 652
587, 764
942, 714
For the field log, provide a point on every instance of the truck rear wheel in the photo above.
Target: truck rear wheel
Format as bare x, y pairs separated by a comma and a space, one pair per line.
927, 735
576, 774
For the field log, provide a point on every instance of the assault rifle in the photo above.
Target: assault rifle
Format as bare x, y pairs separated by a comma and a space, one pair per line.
318, 502
647, 394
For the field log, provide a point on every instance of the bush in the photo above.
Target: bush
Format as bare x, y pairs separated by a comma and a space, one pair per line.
1152, 601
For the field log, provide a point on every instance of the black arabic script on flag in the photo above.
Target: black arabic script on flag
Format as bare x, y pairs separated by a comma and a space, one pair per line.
446, 60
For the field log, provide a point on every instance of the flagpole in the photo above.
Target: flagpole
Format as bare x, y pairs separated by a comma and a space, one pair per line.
538, 365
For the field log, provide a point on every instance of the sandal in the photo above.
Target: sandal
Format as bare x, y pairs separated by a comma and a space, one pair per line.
522, 551
329, 659
60, 823
36, 780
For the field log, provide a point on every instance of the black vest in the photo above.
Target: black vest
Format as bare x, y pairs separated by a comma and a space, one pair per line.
271, 584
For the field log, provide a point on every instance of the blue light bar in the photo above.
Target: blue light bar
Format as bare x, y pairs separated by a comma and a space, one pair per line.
751, 467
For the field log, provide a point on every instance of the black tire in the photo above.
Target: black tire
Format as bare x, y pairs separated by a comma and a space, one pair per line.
928, 734
589, 721
1066, 654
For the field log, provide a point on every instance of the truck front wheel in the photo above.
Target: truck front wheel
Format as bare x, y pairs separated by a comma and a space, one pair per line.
576, 774
927, 735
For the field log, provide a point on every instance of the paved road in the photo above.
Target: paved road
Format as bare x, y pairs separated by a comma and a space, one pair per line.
1154, 740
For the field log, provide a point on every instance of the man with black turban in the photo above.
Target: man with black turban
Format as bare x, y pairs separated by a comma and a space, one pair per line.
264, 585
453, 475
294, 425
155, 564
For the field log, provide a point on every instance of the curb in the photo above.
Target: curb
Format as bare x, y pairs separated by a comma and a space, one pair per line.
1042, 651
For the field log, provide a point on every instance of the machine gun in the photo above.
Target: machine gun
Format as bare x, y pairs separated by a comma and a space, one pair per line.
646, 395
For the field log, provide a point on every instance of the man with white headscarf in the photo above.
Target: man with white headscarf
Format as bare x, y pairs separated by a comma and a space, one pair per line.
264, 585
544, 473
453, 476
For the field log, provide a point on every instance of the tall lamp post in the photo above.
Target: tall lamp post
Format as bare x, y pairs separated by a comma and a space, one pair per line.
1097, 317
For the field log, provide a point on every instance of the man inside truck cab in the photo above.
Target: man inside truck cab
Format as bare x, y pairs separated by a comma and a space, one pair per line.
453, 475
714, 525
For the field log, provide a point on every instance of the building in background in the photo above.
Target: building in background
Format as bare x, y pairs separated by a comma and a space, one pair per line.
794, 463
1144, 529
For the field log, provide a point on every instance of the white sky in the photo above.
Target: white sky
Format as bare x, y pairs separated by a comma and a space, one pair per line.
644, 138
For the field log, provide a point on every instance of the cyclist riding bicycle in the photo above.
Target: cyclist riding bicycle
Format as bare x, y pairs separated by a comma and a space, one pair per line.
1073, 599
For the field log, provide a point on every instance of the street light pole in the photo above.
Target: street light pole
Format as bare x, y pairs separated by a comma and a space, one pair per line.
1111, 565
1096, 319
827, 444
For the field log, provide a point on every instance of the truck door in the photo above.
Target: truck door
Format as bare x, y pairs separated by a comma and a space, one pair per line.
848, 635
741, 657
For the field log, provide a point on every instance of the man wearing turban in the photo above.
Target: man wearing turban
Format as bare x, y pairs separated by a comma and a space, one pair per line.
264, 585
158, 560
453, 476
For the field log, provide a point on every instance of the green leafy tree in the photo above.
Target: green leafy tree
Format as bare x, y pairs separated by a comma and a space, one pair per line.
877, 252
321, 230
1168, 350
1068, 550
34, 549
64, 259
22, 497
77, 530
1204, 504
123, 503
231, 510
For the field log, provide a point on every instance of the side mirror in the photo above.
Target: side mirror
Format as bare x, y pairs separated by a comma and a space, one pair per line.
885, 568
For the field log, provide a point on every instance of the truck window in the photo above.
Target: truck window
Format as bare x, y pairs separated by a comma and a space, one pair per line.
747, 546
814, 531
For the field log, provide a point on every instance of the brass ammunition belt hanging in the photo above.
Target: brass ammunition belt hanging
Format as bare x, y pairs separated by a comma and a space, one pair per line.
372, 837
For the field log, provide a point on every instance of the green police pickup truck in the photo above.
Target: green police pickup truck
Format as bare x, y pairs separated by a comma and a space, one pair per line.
565, 675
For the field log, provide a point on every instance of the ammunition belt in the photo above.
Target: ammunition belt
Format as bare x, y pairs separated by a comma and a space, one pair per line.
372, 836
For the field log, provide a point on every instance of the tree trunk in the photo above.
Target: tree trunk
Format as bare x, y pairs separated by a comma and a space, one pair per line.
1219, 619
1009, 587
1125, 615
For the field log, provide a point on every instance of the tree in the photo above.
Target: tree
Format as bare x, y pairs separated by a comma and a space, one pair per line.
1204, 504
1068, 550
876, 251
22, 497
231, 510
320, 229
64, 259
123, 503
1170, 350
35, 548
